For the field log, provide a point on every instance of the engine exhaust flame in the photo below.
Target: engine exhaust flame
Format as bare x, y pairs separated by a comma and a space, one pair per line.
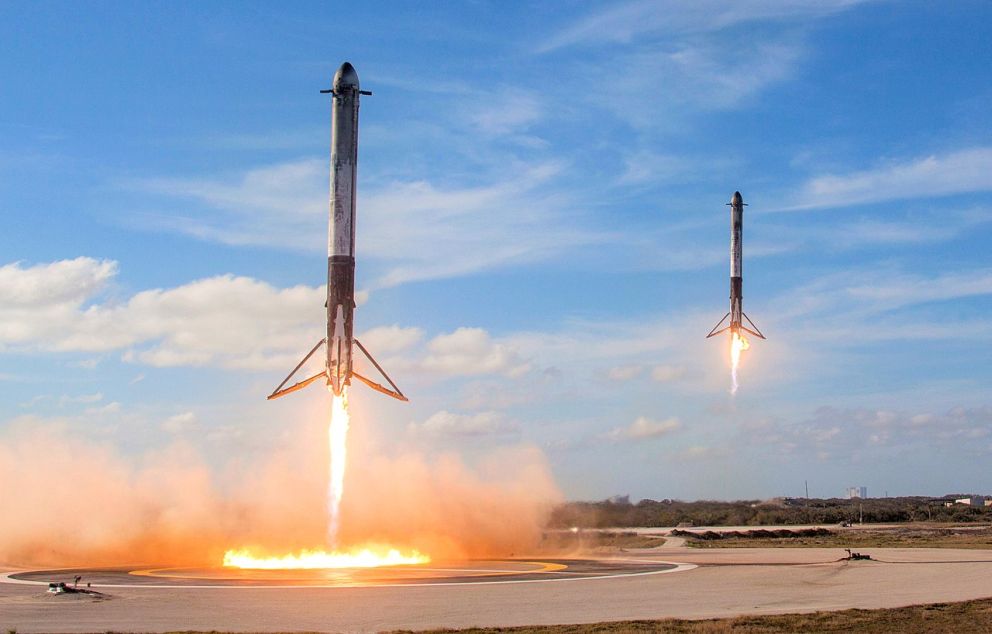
362, 557
337, 435
738, 344
369, 557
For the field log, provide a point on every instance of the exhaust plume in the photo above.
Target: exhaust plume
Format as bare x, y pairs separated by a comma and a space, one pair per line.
69, 501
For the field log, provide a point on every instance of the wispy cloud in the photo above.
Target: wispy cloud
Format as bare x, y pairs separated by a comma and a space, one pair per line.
918, 230
877, 291
644, 166
645, 428
664, 61
668, 373
413, 230
628, 21
958, 172
833, 432
625, 372
519, 220
507, 112
445, 423
181, 423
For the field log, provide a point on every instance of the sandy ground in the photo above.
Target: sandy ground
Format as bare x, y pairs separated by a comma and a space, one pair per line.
728, 582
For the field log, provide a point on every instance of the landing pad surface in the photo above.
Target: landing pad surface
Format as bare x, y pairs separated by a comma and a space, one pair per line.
435, 573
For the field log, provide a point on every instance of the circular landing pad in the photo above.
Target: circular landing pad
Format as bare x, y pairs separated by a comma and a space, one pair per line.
435, 573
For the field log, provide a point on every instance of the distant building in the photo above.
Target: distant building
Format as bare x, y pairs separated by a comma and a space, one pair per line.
976, 500
857, 492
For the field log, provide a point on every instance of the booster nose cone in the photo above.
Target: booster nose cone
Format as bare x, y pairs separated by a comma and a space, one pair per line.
346, 77
736, 199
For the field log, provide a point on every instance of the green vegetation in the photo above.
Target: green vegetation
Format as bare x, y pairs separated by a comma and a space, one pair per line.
619, 512
962, 618
899, 537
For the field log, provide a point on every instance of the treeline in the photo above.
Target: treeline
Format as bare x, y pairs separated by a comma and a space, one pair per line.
620, 512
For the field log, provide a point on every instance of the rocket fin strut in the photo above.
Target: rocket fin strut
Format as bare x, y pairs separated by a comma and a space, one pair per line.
717, 330
395, 392
755, 332
279, 391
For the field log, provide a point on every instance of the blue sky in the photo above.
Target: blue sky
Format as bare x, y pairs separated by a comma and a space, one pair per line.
542, 233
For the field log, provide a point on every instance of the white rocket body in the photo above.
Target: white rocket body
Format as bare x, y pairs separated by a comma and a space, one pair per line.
739, 321
340, 305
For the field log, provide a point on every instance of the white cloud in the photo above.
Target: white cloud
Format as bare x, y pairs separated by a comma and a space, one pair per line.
667, 373
411, 230
38, 303
702, 452
223, 321
391, 339
82, 398
915, 229
423, 232
470, 352
625, 372
961, 171
449, 424
180, 423
709, 76
507, 112
876, 291
286, 196
110, 408
667, 60
623, 23
833, 431
645, 428
644, 166
227, 321
51, 286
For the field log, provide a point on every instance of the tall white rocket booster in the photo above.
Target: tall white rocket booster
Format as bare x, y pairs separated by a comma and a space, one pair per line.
737, 315
338, 364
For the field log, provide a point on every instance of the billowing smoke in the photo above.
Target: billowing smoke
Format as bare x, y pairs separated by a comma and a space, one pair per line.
445, 509
68, 501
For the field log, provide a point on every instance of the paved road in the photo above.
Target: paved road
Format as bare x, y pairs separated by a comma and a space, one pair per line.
727, 582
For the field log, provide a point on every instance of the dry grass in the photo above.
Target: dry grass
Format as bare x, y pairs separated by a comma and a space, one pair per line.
900, 537
964, 618
566, 541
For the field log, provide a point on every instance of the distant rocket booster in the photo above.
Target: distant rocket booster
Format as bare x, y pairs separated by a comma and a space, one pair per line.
737, 315
340, 303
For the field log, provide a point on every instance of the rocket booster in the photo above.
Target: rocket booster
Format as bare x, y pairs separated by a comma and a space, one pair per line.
339, 340
341, 226
738, 318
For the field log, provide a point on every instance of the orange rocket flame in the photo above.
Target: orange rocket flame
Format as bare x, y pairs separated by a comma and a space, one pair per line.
362, 557
738, 344
366, 557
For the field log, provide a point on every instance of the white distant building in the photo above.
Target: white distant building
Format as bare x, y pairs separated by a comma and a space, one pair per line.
974, 501
857, 492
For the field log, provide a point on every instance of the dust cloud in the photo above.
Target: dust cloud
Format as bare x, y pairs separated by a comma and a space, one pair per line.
70, 501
